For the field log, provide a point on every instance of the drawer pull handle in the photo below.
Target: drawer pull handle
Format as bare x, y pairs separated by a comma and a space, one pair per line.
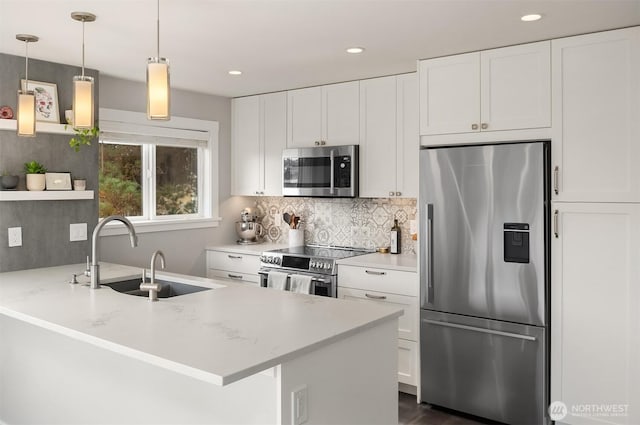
235, 257
375, 297
234, 276
375, 273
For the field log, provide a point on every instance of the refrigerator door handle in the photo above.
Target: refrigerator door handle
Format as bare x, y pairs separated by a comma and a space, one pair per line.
483, 330
430, 286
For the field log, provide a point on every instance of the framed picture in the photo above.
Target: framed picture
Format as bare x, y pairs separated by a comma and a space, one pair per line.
58, 181
46, 100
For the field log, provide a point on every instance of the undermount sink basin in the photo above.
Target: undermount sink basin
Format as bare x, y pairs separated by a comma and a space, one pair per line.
168, 289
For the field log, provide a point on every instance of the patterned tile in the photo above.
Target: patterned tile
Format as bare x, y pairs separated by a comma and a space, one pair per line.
360, 222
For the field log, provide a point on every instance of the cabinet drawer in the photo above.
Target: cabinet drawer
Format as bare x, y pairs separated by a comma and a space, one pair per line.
233, 262
382, 280
407, 323
407, 362
235, 276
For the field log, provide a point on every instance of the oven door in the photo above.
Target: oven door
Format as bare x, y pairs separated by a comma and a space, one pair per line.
330, 171
321, 285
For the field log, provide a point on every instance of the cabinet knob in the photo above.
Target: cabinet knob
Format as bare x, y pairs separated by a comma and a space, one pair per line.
391, 193
322, 142
317, 143
474, 126
484, 126
398, 193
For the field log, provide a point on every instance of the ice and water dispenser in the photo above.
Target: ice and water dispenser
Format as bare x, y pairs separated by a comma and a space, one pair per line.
516, 242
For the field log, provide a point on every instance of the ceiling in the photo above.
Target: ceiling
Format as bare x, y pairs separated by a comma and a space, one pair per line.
284, 44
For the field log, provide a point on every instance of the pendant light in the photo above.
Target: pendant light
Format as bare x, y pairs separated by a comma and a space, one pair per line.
158, 86
83, 104
26, 98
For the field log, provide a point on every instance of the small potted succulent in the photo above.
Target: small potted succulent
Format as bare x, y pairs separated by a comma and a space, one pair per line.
9, 181
35, 175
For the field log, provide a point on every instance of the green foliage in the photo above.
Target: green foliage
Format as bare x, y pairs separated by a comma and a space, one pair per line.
34, 167
120, 180
176, 199
83, 137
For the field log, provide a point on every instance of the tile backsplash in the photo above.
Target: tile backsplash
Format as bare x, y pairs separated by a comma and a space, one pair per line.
360, 222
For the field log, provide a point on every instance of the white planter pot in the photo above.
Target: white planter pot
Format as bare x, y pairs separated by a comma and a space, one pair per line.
35, 182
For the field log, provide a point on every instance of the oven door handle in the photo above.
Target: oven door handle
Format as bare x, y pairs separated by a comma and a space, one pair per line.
332, 164
314, 278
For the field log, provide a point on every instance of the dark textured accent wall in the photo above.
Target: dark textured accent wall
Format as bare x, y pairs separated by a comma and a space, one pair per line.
45, 224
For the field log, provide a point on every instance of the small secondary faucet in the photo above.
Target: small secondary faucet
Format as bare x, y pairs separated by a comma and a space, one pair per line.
152, 286
95, 265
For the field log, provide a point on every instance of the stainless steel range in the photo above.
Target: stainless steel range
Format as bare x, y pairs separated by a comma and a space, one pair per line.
316, 261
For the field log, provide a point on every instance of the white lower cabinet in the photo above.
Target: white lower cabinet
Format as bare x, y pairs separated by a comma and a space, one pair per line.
234, 266
390, 287
595, 312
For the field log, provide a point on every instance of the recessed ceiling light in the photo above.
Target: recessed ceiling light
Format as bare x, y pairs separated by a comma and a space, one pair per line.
355, 50
235, 72
531, 18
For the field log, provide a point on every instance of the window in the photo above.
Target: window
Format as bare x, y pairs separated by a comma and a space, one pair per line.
158, 175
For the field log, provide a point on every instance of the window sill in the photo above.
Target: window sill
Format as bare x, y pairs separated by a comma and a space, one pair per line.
146, 226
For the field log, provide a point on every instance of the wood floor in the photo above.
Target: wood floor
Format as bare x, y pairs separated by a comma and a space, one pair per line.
411, 413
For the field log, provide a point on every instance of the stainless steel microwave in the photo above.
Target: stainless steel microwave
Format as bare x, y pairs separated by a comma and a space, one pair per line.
326, 171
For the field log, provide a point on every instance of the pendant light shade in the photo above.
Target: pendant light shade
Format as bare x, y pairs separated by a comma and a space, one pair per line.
158, 84
26, 98
158, 89
83, 104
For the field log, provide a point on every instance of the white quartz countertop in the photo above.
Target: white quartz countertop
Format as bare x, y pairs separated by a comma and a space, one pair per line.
402, 262
254, 249
219, 336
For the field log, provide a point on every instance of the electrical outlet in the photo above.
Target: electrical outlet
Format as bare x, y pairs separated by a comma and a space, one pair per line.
299, 405
15, 236
77, 232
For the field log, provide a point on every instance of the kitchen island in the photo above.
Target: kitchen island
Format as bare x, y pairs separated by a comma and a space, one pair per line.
232, 354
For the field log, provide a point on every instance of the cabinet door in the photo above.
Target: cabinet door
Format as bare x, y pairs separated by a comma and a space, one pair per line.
516, 87
407, 362
304, 117
596, 116
245, 149
450, 94
408, 140
595, 304
378, 148
341, 113
274, 140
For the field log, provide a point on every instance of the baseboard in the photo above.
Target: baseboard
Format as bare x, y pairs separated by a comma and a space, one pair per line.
409, 389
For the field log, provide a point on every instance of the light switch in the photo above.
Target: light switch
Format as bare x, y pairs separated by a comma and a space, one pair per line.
15, 236
77, 232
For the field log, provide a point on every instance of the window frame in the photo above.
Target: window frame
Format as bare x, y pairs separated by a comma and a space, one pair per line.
117, 121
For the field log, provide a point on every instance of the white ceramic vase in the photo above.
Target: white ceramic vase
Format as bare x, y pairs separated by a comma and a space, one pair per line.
35, 181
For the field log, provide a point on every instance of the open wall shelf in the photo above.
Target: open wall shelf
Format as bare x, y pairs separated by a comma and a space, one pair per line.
45, 195
41, 127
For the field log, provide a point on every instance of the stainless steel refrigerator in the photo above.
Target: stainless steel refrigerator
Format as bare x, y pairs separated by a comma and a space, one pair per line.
484, 214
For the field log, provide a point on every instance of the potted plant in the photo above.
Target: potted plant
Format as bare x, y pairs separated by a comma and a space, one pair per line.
9, 181
35, 175
83, 137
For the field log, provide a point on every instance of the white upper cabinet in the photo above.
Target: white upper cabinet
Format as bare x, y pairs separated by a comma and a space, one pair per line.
389, 141
245, 147
596, 104
493, 90
325, 115
259, 136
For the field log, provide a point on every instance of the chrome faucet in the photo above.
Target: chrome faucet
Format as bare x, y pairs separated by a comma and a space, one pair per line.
152, 286
95, 265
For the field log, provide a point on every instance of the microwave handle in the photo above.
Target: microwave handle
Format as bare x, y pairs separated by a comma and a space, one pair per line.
332, 164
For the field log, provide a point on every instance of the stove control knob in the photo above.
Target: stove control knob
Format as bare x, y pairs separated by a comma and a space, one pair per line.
270, 260
263, 258
278, 260
312, 264
327, 266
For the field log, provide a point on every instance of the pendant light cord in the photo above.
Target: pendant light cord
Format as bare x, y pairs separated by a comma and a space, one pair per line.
83, 48
26, 65
158, 28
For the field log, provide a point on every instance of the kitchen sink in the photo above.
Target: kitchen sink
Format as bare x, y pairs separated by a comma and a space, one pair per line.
168, 289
